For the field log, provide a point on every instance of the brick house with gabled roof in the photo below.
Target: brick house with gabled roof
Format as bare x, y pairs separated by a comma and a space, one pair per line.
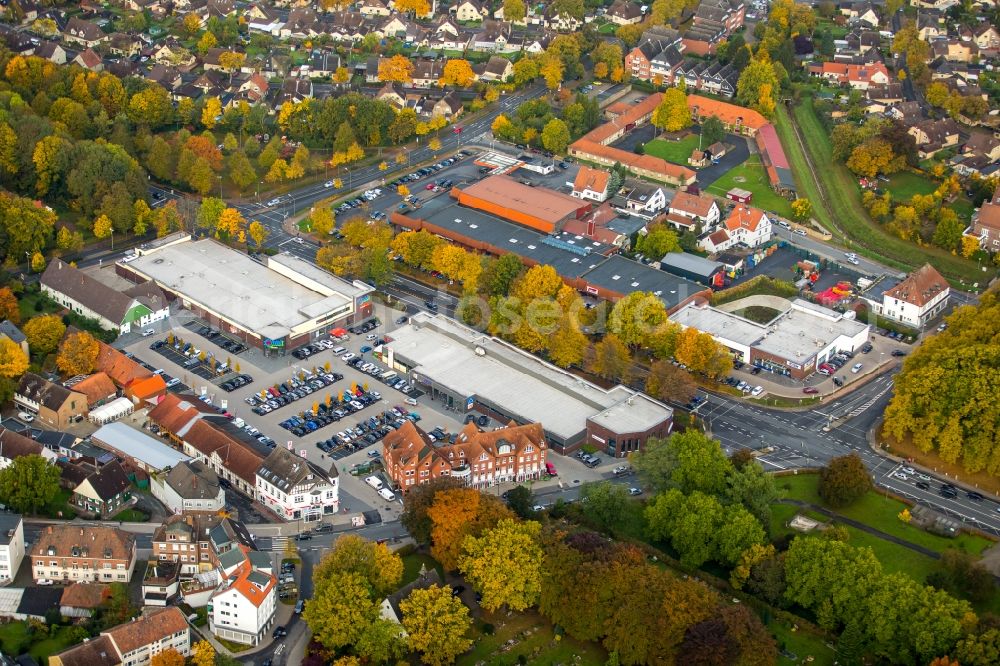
55, 405
70, 553
231, 458
132, 643
478, 458
687, 210
98, 388
591, 184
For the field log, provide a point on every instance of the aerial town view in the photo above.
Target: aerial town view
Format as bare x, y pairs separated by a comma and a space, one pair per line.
497, 332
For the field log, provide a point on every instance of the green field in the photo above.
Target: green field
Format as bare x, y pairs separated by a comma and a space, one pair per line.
751, 176
881, 513
677, 152
15, 638
805, 185
842, 193
905, 184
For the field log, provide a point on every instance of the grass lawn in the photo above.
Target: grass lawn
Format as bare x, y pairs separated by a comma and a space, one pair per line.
59, 507
42, 650
131, 516
14, 639
751, 176
845, 205
905, 184
881, 513
411, 566
807, 188
802, 644
26, 303
540, 647
677, 152
607, 28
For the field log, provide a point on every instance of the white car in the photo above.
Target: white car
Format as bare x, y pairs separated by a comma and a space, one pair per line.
328, 183
634, 491
44, 581
856, 368
148, 332
538, 507
900, 476
27, 417
274, 202
800, 232
371, 336
907, 470
757, 390
347, 357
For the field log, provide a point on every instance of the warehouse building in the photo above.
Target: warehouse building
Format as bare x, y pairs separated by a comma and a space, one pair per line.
473, 372
539, 208
693, 267
277, 304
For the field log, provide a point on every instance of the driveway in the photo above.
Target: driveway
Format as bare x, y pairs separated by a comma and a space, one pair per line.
738, 153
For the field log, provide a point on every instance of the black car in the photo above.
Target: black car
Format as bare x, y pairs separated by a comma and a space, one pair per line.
867, 348
431, 305
305, 536
279, 632
923, 485
974, 496
457, 590
898, 352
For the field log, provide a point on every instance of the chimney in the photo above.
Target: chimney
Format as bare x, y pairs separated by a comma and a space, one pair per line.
591, 227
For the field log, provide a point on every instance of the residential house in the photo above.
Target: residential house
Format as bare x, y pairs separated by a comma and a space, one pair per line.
497, 69
986, 224
735, 119
709, 76
447, 36
14, 445
859, 77
55, 405
68, 553
390, 94
300, 24
172, 53
186, 542
161, 583
688, 211
426, 73
645, 200
295, 488
514, 453
133, 643
11, 332
954, 50
469, 11
932, 136
493, 38
908, 113
295, 91
189, 487
591, 184
658, 54
449, 107
121, 44
264, 18
703, 157
82, 600
88, 59
11, 545
84, 33
52, 52
982, 143
243, 606
860, 12
914, 301
104, 493
372, 8
714, 21
748, 226
254, 89
930, 26
389, 609
987, 37
624, 12
119, 311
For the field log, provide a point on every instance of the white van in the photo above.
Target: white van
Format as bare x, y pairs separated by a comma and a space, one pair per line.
337, 351
374, 482
782, 223
386, 494
389, 376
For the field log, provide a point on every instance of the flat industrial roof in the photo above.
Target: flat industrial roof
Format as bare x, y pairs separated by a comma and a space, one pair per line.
445, 352
248, 293
806, 329
138, 445
719, 324
539, 202
691, 263
625, 276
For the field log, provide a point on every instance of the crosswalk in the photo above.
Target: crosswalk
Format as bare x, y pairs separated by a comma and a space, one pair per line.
278, 544
859, 410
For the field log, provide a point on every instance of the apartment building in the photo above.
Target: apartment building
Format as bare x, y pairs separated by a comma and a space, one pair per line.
11, 545
132, 643
75, 553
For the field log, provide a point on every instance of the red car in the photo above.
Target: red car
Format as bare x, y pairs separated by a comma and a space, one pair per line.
810, 390
430, 186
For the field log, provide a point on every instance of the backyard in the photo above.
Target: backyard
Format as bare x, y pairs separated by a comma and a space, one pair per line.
16, 638
677, 152
751, 176
905, 184
527, 638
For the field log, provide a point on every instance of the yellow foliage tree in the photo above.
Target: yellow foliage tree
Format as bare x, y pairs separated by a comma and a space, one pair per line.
168, 657
403, 190
211, 112
102, 226
77, 354
44, 333
203, 654
258, 232
13, 360
398, 69
231, 223
457, 72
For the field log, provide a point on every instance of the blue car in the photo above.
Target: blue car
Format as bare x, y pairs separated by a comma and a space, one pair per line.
365, 349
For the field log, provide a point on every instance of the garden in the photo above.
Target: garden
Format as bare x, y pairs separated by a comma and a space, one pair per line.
677, 152
751, 176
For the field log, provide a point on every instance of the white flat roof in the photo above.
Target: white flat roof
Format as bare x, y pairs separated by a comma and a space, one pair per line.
719, 324
444, 352
242, 290
807, 329
140, 446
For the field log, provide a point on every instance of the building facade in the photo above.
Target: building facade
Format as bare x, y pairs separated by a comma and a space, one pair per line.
72, 554
11, 545
295, 488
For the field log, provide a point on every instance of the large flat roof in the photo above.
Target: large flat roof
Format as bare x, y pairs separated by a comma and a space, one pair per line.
624, 276
806, 329
445, 352
719, 324
138, 445
263, 299
539, 202
691, 263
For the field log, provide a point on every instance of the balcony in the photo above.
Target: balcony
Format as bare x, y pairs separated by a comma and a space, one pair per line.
461, 472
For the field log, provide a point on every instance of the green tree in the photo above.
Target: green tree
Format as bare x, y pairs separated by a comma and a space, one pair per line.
688, 461
611, 359
638, 318
844, 480
29, 482
712, 130
658, 240
758, 85
340, 610
521, 501
504, 565
209, 213
751, 487
437, 624
514, 10
241, 171
982, 649
555, 136
604, 503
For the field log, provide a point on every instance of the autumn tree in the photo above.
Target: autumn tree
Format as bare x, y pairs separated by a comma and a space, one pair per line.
168, 657
801, 209
44, 333
230, 223
658, 240
417, 503
552, 71
398, 69
437, 624
416, 7
669, 383
29, 482
322, 221
13, 360
611, 359
874, 157
555, 136
258, 232
457, 72
844, 480
102, 227
504, 564
456, 514
211, 112
637, 318
525, 71
672, 113
9, 308
701, 353
514, 10
758, 85
77, 354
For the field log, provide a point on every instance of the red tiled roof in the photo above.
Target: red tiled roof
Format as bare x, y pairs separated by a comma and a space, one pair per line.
595, 180
694, 204
120, 368
744, 216
156, 626
920, 286
729, 114
234, 453
96, 387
